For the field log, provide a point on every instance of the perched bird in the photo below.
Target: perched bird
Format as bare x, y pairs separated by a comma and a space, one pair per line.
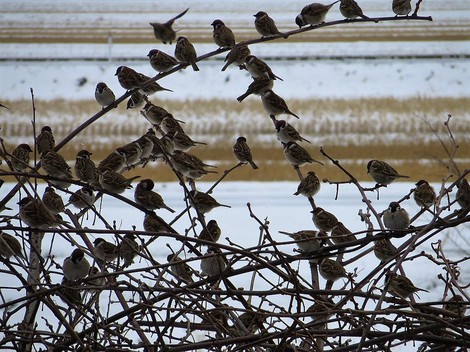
313, 14
211, 232
185, 52
114, 182
222, 35
150, 200
275, 105
154, 114
307, 240
104, 250
179, 268
164, 31
463, 193
382, 173
401, 7
104, 95
85, 169
189, 165
52, 201
213, 262
35, 214
266, 27
321, 309
456, 305
167, 145
424, 195
324, 220
128, 248
76, 266
150, 87
251, 321
400, 285
238, 55
257, 67
286, 133
384, 249
154, 223
20, 157
297, 155
170, 124
82, 198
10, 246
70, 293
136, 101
309, 186
128, 78
259, 86
132, 151
243, 153
45, 140
341, 234
331, 270
395, 217
55, 165
350, 10
182, 141
92, 278
115, 161
203, 201
161, 61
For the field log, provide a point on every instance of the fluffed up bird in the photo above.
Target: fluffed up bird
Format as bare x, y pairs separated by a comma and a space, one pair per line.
275, 105
128, 249
331, 270
401, 7
161, 61
307, 240
10, 246
186, 53
132, 151
145, 143
35, 214
85, 169
189, 165
222, 35
213, 262
55, 165
424, 194
114, 182
456, 305
313, 14
297, 155
76, 266
211, 232
52, 201
45, 140
203, 201
150, 87
341, 234
82, 198
165, 31
323, 219
243, 153
382, 173
463, 193
136, 101
128, 78
286, 133
104, 95
266, 26
147, 198
238, 55
171, 125
259, 86
400, 285
20, 157
182, 141
257, 67
104, 250
384, 249
309, 186
115, 161
350, 9
154, 114
179, 268
395, 217
154, 223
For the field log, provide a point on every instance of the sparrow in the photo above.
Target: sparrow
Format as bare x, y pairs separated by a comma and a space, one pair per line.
150, 88
128, 78
400, 285
243, 153
170, 124
297, 155
424, 195
341, 234
160, 61
69, 293
114, 161
128, 248
104, 95
164, 31
382, 173
222, 35
85, 169
257, 67
132, 151
266, 27
324, 220
350, 10
167, 145
212, 232
286, 133
251, 321
34, 214
45, 140
307, 240
313, 14
52, 201
158, 150
20, 157
309, 186
384, 249
76, 266
259, 86
82, 198
331, 270
92, 280
189, 165
274, 104
179, 268
154, 114
238, 55
213, 262
463, 193
136, 101
203, 201
154, 223
10, 246
55, 165
401, 7
150, 200
105, 251
395, 217
114, 182
321, 308
456, 305
185, 52
182, 141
